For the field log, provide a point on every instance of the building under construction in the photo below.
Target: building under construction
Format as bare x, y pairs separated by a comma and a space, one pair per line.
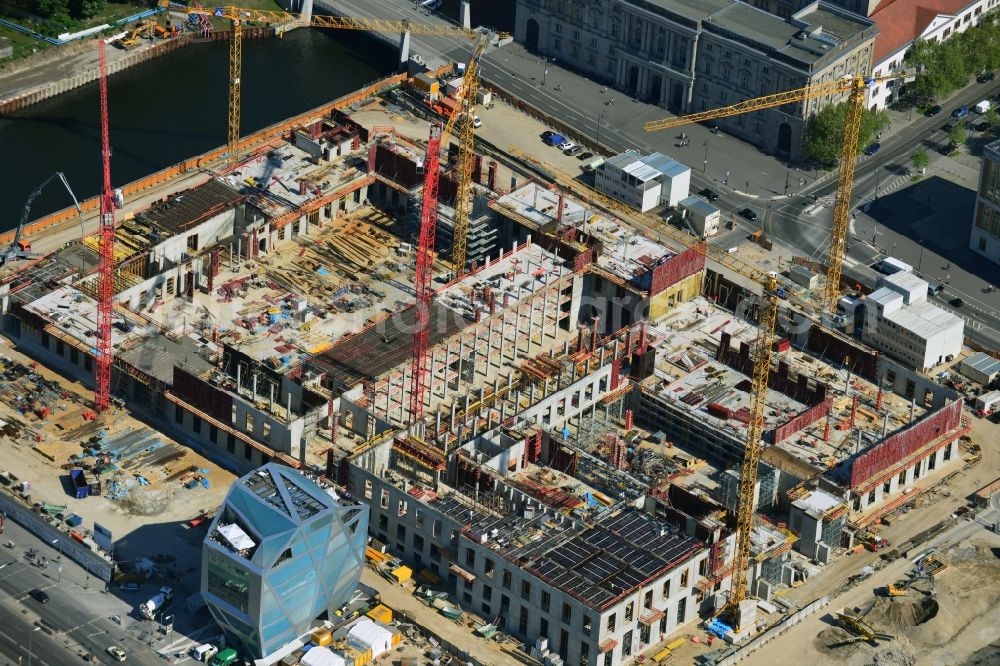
585, 407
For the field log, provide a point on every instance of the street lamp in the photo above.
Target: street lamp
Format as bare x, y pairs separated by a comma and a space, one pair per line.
704, 168
787, 173
60, 567
599, 119
545, 69
31, 635
920, 261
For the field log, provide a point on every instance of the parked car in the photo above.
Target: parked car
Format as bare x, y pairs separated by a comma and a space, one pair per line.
950, 125
981, 126
568, 145
872, 149
960, 112
585, 155
956, 302
117, 653
40, 596
749, 214
709, 195
553, 138
476, 122
129, 587
573, 150
986, 77
933, 111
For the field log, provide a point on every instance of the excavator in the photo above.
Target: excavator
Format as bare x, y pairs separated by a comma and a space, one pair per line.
142, 29
20, 249
862, 630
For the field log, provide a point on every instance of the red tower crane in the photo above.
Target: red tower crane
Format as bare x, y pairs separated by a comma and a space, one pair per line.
106, 267
422, 279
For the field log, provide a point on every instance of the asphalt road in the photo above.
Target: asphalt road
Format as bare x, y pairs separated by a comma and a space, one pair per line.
75, 622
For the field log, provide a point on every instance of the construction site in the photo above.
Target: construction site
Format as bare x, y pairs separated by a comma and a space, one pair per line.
577, 438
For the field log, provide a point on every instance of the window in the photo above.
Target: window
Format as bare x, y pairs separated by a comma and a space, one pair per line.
420, 518
588, 624
947, 453
418, 543
488, 567
543, 627
681, 610
584, 653
576, 35
435, 552
470, 558
231, 443
629, 608
436, 529
546, 600
228, 581
401, 534
666, 588
886, 487
557, 44
567, 613
525, 590
931, 461
684, 578
506, 579
627, 643
522, 620
196, 424
558, 28
611, 622
901, 481
383, 523
247, 451
385, 499
178, 413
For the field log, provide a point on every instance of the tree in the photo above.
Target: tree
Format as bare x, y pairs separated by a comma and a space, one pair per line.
957, 135
920, 159
825, 131
52, 8
992, 117
88, 8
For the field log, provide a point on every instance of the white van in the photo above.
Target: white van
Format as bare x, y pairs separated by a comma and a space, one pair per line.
204, 652
982, 107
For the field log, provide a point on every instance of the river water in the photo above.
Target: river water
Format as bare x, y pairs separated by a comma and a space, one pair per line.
175, 107
172, 108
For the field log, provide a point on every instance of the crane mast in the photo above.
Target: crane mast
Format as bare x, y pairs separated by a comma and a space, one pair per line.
466, 151
106, 265
422, 278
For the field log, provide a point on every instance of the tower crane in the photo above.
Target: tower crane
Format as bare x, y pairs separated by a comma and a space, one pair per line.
855, 87
239, 16
106, 265
463, 119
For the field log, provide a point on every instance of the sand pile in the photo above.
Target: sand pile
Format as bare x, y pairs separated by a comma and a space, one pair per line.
893, 615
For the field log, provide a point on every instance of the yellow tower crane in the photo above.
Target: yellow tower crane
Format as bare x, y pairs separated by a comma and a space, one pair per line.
238, 17
464, 119
855, 87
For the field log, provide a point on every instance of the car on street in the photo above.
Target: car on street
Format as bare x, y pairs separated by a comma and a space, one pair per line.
749, 214
709, 195
586, 155
956, 302
933, 111
117, 653
129, 587
960, 112
40, 596
573, 150
986, 77
872, 149
981, 126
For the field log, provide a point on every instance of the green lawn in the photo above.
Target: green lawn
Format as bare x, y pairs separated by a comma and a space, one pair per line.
24, 45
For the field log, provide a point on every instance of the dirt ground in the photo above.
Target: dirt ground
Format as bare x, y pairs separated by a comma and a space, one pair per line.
147, 517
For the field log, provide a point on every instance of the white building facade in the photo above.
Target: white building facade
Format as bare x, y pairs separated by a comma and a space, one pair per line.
900, 322
898, 29
644, 182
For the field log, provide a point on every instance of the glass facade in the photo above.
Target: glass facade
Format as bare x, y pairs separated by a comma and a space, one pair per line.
281, 552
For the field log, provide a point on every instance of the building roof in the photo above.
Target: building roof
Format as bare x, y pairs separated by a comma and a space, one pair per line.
901, 21
923, 319
982, 362
184, 210
817, 502
696, 203
885, 296
649, 167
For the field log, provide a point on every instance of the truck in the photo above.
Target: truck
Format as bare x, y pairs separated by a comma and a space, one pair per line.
81, 487
891, 265
148, 609
982, 107
224, 658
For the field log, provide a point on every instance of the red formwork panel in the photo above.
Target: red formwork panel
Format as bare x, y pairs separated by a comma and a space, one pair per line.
677, 268
898, 446
801, 420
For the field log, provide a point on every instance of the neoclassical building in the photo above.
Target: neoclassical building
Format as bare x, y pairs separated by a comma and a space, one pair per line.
693, 55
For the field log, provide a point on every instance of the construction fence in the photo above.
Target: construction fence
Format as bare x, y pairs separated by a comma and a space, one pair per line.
93, 563
781, 627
